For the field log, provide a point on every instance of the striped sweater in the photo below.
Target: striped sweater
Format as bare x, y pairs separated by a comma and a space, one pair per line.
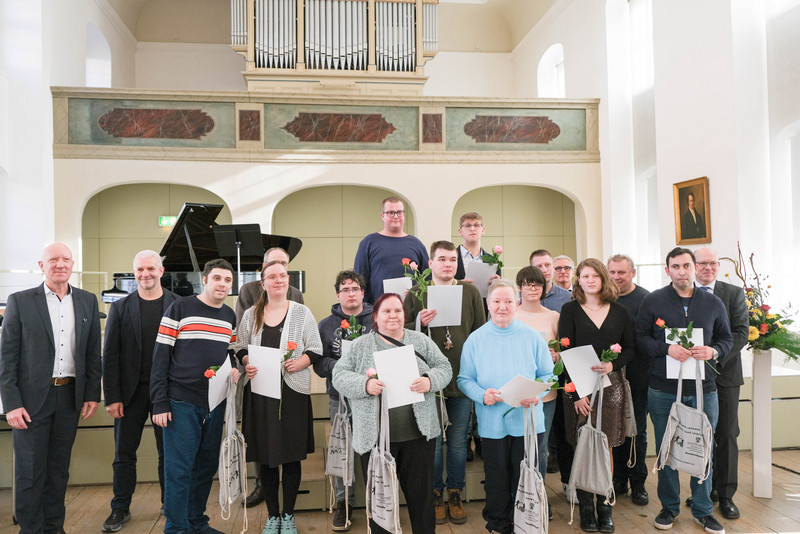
191, 338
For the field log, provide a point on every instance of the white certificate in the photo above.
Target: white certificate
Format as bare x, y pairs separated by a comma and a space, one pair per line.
579, 362
397, 285
520, 388
397, 369
269, 362
346, 344
218, 385
479, 273
446, 300
689, 366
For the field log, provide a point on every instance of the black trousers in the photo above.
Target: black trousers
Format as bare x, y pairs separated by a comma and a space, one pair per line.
41, 462
636, 475
127, 437
559, 434
726, 452
414, 461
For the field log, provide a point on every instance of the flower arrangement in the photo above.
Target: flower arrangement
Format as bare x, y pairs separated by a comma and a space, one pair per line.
767, 330
351, 330
211, 372
420, 278
494, 257
682, 337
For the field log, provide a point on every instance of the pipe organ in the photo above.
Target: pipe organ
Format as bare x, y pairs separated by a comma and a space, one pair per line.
368, 39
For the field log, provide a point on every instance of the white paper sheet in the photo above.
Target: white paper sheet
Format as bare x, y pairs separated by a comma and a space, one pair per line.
346, 344
479, 273
520, 388
689, 366
269, 361
446, 300
397, 285
218, 385
397, 369
579, 362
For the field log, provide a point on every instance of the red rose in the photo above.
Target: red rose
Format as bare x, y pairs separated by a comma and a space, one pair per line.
570, 387
765, 307
764, 328
406, 261
210, 373
291, 345
660, 322
564, 342
345, 324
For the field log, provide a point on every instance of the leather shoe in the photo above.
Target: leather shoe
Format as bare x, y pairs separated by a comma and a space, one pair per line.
256, 497
728, 509
714, 495
639, 496
689, 502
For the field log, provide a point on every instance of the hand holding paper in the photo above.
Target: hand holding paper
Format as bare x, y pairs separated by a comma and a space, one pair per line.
520, 389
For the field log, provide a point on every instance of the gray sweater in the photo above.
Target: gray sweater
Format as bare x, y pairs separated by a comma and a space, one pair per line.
350, 379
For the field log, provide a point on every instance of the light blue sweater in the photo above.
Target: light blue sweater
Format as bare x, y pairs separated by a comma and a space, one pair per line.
491, 357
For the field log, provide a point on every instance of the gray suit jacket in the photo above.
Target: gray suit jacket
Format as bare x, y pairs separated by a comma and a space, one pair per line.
730, 365
122, 351
250, 293
27, 350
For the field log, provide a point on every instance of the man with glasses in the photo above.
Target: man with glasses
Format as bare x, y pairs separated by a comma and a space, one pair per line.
729, 381
555, 296
349, 287
380, 255
471, 229
563, 266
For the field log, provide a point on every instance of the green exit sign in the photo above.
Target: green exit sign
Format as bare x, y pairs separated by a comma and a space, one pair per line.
167, 220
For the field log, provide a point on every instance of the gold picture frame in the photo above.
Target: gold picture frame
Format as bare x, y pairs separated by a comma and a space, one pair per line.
692, 212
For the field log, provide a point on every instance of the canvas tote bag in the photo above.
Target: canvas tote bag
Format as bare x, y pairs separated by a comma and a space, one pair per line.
232, 465
688, 437
630, 422
383, 503
530, 506
340, 452
591, 466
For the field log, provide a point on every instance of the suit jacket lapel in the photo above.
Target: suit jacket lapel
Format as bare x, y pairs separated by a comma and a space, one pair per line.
136, 319
44, 313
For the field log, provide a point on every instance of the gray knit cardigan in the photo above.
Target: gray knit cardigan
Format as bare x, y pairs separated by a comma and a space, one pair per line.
350, 379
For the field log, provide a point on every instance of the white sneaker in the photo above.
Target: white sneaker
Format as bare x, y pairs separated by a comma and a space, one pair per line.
571, 494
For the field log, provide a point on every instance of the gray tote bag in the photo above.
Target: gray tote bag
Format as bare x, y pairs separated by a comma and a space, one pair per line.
530, 506
339, 461
383, 503
232, 465
591, 466
688, 437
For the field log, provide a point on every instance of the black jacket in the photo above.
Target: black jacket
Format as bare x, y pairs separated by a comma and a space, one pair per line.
730, 366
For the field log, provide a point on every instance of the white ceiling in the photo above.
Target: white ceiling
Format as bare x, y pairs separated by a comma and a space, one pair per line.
464, 25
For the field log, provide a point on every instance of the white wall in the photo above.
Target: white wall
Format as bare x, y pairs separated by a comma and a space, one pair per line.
470, 74
199, 67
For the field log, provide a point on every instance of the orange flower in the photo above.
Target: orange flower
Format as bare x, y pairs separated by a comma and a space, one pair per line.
406, 261
564, 342
660, 322
210, 373
291, 345
764, 328
345, 324
570, 387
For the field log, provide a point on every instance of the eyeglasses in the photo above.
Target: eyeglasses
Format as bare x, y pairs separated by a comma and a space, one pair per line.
471, 226
531, 287
563, 268
275, 277
350, 290
708, 263
393, 214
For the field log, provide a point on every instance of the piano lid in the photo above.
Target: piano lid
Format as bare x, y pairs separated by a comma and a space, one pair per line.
196, 238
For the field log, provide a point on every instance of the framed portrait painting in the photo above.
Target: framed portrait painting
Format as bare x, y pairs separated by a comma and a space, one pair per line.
692, 212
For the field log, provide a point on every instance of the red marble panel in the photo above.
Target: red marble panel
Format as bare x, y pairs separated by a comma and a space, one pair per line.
249, 125
431, 127
339, 127
156, 123
513, 129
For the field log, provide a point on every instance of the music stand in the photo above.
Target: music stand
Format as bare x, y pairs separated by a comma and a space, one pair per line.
237, 240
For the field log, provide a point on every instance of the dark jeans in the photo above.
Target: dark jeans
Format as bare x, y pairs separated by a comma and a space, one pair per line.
636, 475
41, 462
726, 452
414, 461
563, 448
127, 437
458, 411
549, 409
501, 459
191, 457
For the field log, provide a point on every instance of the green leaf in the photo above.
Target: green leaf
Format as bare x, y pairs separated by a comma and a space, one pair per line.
558, 368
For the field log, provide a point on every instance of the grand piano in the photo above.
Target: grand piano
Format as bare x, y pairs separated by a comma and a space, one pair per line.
197, 238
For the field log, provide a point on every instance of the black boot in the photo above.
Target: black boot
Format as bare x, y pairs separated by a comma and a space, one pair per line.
586, 509
256, 497
604, 522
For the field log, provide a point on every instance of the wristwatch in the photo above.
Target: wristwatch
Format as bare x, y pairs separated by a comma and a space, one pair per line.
714, 354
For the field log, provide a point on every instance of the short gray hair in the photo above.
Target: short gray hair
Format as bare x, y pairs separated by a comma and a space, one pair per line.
622, 257
563, 257
498, 283
142, 254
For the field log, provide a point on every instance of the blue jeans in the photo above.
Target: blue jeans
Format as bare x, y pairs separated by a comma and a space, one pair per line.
338, 482
458, 409
191, 457
544, 452
669, 486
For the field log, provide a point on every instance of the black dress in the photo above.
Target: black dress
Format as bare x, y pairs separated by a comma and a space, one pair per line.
277, 433
581, 330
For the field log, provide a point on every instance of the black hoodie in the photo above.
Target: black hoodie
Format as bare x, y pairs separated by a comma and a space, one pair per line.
330, 330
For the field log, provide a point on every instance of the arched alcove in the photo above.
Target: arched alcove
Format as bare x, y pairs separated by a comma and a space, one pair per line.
120, 221
550, 79
98, 58
521, 219
331, 221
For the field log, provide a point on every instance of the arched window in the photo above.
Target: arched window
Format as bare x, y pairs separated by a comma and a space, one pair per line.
550, 74
98, 58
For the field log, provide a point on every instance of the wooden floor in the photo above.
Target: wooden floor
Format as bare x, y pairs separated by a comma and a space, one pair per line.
87, 508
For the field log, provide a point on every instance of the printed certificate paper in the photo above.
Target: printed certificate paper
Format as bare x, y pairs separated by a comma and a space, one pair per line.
397, 368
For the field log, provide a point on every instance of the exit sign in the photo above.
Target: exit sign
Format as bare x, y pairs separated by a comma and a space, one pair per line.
167, 220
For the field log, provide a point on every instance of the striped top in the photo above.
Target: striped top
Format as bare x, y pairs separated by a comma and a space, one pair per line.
191, 338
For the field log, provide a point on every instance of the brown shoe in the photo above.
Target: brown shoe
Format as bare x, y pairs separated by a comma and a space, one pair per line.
438, 507
455, 508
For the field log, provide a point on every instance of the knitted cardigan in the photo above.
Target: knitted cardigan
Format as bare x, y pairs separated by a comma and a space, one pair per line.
350, 379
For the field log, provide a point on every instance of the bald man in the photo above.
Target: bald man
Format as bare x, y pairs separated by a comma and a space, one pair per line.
49, 377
